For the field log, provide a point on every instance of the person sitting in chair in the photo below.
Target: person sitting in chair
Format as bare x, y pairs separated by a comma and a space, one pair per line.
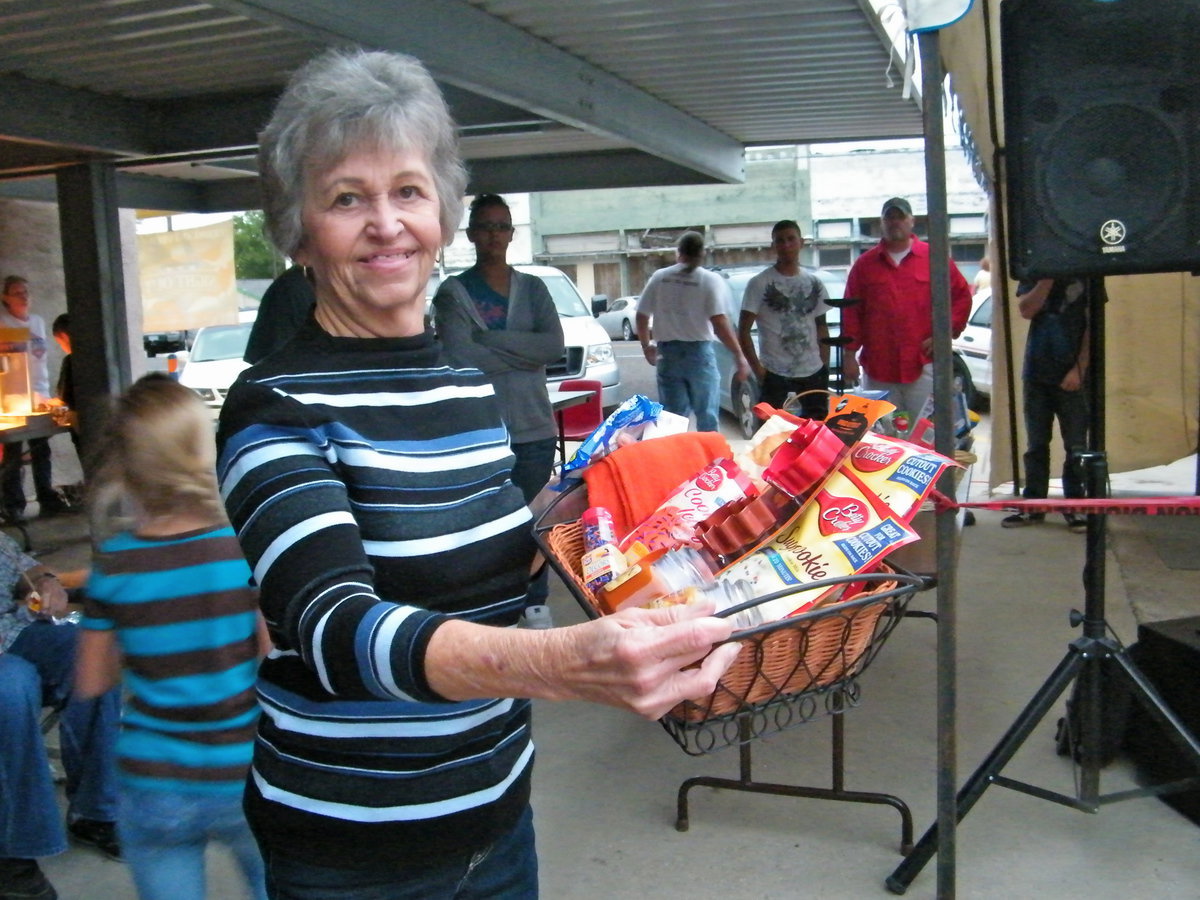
37, 663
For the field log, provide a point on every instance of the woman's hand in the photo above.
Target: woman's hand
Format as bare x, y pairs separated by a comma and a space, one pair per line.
642, 659
637, 659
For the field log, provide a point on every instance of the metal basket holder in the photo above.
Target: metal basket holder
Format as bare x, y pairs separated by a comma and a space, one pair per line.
789, 672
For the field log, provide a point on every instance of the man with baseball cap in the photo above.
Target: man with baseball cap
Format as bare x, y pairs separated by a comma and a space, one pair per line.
891, 327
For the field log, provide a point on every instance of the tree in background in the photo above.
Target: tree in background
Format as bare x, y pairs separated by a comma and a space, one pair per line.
253, 255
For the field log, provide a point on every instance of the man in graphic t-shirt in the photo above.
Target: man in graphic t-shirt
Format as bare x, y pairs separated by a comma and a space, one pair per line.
789, 305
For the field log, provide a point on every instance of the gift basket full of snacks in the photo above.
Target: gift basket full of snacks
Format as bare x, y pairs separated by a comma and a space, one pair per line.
789, 539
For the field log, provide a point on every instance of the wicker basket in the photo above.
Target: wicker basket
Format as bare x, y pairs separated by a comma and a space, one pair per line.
784, 667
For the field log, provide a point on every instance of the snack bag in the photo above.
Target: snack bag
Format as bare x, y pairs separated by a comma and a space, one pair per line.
635, 412
674, 523
900, 474
843, 531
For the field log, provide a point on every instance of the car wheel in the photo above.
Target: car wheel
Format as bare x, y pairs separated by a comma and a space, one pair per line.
963, 382
744, 395
626, 330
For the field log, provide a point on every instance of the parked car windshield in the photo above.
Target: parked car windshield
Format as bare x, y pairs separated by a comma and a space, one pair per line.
982, 317
221, 342
566, 299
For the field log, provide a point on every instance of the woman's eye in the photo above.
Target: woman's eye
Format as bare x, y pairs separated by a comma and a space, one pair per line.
407, 193
345, 200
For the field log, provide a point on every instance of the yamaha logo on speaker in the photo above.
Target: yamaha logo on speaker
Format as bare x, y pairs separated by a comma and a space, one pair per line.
1112, 234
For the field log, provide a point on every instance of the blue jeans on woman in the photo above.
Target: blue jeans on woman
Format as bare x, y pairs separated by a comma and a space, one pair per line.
164, 834
37, 670
689, 381
507, 870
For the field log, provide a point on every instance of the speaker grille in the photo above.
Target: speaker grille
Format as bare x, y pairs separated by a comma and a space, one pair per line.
1131, 176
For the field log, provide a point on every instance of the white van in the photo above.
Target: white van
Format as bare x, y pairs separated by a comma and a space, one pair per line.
589, 352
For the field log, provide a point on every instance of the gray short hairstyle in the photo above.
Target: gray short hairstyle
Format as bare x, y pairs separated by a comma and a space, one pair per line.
348, 100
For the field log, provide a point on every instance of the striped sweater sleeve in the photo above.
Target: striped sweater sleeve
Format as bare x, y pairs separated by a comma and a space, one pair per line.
358, 509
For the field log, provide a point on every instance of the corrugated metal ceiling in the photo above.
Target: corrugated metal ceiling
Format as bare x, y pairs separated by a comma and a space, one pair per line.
549, 94
761, 71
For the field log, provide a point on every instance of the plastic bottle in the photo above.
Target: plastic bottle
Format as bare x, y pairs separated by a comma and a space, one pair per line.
598, 527
602, 561
657, 575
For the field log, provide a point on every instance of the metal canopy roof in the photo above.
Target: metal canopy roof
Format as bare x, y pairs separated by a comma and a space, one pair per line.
549, 94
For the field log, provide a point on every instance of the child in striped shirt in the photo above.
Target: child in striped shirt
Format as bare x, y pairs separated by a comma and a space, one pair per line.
170, 612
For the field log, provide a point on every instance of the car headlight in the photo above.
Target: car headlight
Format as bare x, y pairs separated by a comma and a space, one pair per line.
598, 354
208, 395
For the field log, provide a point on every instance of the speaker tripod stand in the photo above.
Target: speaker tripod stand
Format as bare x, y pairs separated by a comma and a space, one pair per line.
1085, 662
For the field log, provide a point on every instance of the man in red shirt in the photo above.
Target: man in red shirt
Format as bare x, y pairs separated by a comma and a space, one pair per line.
892, 322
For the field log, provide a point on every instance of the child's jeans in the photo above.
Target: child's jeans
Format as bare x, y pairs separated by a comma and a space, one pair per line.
164, 834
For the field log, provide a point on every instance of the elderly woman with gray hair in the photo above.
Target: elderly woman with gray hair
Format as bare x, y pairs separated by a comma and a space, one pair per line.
368, 481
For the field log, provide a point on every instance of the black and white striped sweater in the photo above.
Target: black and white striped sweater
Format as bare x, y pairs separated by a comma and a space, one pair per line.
368, 483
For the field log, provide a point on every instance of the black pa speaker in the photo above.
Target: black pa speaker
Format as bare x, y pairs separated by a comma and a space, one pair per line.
1102, 132
1168, 654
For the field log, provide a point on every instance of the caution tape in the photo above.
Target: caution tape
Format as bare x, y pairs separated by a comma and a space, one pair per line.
1097, 506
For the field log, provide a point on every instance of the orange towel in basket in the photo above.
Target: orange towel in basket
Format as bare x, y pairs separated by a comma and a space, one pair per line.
633, 480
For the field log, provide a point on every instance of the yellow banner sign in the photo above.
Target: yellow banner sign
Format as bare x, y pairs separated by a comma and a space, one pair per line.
187, 278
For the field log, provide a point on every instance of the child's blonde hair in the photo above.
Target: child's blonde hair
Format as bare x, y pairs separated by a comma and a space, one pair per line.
159, 456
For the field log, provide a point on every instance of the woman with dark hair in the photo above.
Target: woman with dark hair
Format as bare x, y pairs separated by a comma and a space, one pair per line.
368, 480
504, 323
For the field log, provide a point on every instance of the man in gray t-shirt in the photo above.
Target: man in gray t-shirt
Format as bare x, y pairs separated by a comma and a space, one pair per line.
687, 303
789, 305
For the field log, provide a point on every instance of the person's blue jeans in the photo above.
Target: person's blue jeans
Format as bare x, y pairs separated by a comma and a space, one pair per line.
37, 671
164, 834
689, 381
530, 472
1043, 404
507, 870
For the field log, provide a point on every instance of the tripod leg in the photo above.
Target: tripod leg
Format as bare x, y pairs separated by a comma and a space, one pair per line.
974, 787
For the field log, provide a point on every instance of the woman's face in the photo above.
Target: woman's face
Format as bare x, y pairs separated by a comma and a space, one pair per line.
371, 235
491, 231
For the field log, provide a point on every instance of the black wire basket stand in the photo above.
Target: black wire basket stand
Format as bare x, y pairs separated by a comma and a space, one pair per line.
789, 672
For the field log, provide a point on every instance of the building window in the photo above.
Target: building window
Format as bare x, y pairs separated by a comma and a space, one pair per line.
968, 224
967, 252
835, 230
833, 256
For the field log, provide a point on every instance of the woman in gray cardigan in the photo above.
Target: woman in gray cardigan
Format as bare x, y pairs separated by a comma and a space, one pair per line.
504, 323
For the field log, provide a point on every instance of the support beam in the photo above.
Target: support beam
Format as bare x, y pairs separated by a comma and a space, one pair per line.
95, 283
50, 114
577, 172
467, 47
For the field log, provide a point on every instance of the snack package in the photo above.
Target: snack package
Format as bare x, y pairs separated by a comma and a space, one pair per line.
771, 435
845, 530
636, 412
900, 474
674, 523
813, 451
